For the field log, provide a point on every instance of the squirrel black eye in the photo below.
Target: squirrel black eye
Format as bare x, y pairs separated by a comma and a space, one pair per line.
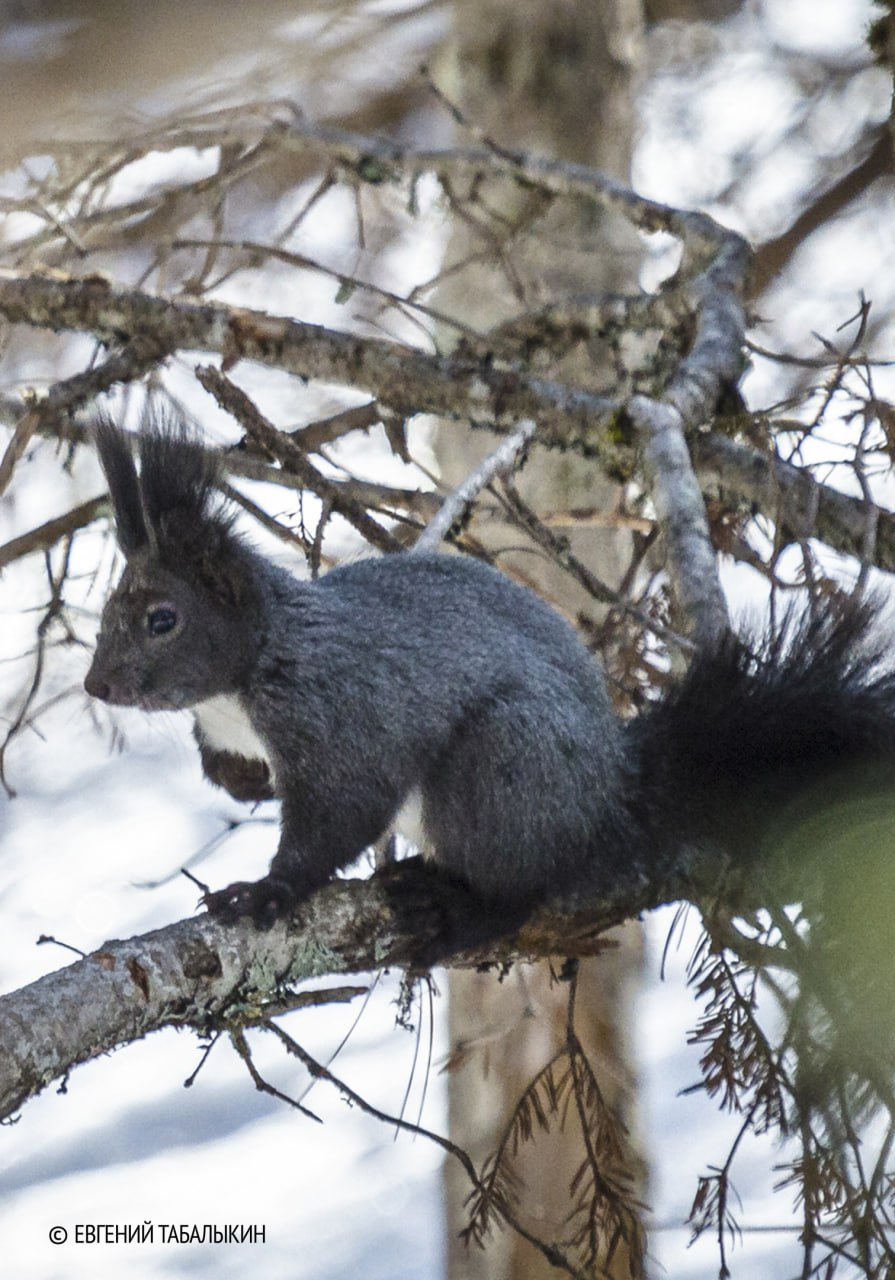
161, 620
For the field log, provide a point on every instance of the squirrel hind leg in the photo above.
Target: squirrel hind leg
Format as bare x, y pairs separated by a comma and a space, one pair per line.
442, 913
513, 807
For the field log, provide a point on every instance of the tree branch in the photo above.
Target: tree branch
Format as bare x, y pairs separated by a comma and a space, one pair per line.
458, 502
401, 378
376, 160
800, 505
209, 976
681, 512
567, 417
292, 457
48, 534
773, 256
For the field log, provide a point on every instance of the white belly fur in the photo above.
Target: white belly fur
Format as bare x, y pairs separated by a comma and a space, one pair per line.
224, 726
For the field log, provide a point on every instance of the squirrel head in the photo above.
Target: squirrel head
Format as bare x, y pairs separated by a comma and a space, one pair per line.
182, 624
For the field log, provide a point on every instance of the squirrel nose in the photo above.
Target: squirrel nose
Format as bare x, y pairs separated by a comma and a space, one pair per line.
96, 687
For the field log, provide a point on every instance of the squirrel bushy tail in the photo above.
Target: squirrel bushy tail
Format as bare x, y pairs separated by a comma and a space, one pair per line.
781, 758
759, 730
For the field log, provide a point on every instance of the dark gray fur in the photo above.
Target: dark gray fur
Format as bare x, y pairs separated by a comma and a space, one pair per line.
437, 673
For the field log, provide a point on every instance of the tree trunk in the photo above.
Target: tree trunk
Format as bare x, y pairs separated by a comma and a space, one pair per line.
553, 79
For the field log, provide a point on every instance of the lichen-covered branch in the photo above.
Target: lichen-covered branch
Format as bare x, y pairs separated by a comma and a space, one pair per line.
208, 976
790, 495
681, 513
377, 160
401, 378
461, 388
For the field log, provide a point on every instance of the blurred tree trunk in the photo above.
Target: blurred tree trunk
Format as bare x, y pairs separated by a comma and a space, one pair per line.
554, 79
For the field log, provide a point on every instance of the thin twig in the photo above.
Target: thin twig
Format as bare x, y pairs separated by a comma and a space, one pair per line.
457, 504
550, 1251
24, 430
558, 549
291, 456
241, 1046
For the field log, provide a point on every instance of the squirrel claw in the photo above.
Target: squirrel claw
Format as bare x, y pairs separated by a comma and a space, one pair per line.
263, 901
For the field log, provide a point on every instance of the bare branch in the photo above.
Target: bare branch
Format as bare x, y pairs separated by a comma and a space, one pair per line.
285, 450
25, 429
401, 378
503, 459
202, 974
681, 512
789, 494
773, 256
48, 534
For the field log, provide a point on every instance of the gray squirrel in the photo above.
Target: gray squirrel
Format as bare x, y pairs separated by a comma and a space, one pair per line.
435, 675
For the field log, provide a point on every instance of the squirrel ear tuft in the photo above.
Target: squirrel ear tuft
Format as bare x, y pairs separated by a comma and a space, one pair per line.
173, 507
116, 459
178, 484
187, 521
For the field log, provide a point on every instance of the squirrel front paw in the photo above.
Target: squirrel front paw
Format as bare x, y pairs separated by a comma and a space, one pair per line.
263, 901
